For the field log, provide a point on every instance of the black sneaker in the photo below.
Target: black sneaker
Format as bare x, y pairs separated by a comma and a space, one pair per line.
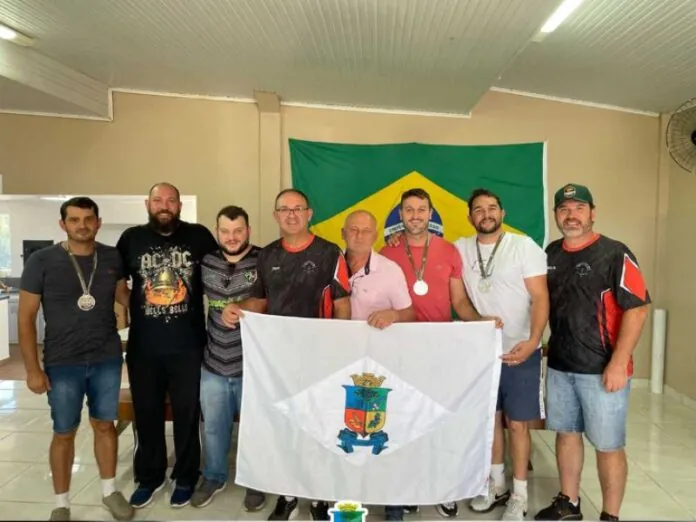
560, 509
411, 510
320, 511
254, 500
284, 510
448, 510
606, 516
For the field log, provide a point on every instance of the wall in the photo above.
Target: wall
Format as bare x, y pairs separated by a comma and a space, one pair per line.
38, 219
211, 149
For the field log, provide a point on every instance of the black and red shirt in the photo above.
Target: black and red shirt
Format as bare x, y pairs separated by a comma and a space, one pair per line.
589, 290
301, 282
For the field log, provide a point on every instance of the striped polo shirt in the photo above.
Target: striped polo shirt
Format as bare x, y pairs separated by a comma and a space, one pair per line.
224, 283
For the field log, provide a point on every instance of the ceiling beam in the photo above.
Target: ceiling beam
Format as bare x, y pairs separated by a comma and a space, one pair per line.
28, 67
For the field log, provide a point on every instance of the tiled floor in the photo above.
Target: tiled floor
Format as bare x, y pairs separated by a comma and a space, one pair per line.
661, 450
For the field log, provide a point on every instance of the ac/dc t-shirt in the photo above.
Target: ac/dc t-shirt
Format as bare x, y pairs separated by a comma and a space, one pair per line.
166, 304
301, 282
590, 288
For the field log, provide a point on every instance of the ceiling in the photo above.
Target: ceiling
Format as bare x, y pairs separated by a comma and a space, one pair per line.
414, 55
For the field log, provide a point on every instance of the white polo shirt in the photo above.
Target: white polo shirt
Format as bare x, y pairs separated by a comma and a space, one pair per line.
517, 258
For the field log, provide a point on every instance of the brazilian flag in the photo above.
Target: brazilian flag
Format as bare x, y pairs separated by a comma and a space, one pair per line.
341, 178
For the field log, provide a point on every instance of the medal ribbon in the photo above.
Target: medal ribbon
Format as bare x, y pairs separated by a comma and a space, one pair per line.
86, 288
424, 257
484, 270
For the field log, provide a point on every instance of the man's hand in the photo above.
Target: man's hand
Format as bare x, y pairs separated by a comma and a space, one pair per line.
37, 381
519, 353
498, 320
383, 318
395, 239
231, 315
615, 376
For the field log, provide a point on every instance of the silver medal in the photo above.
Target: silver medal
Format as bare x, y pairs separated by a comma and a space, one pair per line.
484, 285
420, 287
86, 302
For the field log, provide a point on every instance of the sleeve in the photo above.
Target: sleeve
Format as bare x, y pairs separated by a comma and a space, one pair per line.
32, 280
340, 284
209, 241
120, 267
258, 289
533, 259
457, 263
122, 247
401, 298
628, 282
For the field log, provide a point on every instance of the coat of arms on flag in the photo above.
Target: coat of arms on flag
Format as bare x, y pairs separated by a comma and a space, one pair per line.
366, 414
331, 408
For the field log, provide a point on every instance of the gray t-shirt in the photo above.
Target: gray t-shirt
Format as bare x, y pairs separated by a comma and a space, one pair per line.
74, 336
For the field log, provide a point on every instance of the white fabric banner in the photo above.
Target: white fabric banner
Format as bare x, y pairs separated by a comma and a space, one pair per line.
417, 430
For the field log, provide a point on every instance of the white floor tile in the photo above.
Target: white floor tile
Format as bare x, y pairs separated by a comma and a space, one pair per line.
35, 483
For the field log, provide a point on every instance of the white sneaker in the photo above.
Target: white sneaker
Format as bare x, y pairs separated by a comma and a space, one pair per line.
488, 502
516, 508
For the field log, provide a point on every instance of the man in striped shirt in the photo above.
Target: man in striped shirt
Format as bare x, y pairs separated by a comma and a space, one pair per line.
228, 275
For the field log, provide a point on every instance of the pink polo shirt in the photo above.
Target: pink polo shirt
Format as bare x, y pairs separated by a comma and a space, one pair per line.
382, 288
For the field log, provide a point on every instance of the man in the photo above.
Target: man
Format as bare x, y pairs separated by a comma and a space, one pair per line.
299, 275
505, 276
77, 282
228, 274
379, 293
599, 304
165, 342
433, 270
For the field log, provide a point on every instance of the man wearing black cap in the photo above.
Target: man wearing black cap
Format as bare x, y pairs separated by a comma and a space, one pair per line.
598, 306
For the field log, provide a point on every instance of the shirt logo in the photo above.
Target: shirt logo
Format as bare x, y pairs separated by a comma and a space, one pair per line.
309, 267
582, 269
250, 277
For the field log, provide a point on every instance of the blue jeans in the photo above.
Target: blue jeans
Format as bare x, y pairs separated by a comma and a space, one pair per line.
100, 382
221, 400
579, 403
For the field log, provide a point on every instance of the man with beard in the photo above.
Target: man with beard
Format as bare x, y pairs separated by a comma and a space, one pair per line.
298, 275
165, 342
77, 282
228, 275
599, 304
505, 275
433, 270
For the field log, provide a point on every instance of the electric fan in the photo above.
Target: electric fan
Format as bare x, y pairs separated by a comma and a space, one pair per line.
681, 136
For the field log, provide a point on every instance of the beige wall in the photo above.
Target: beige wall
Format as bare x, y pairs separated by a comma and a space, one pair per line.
211, 149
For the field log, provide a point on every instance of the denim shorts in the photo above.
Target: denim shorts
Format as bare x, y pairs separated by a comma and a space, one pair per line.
579, 403
520, 395
100, 382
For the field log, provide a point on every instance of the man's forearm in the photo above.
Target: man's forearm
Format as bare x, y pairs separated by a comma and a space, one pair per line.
341, 309
632, 324
407, 315
254, 304
466, 311
540, 316
27, 343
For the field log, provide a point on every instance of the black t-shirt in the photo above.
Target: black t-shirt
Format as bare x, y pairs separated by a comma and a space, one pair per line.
74, 336
301, 283
166, 304
589, 290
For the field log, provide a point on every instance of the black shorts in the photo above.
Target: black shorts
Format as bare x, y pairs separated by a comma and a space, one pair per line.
520, 395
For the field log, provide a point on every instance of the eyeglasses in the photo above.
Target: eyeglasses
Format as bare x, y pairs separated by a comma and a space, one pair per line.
285, 210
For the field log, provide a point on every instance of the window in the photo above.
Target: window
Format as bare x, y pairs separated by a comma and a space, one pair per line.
5, 252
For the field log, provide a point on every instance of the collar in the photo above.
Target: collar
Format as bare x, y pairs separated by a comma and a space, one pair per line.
366, 268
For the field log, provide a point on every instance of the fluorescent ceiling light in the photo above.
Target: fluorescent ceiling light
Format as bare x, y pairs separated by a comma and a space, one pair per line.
55, 198
9, 34
564, 11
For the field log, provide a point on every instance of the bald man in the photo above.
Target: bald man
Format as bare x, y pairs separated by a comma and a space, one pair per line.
166, 341
379, 292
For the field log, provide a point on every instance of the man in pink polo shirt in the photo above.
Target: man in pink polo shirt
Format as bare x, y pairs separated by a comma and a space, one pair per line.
379, 292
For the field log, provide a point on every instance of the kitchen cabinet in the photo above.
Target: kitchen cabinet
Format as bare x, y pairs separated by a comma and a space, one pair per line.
14, 327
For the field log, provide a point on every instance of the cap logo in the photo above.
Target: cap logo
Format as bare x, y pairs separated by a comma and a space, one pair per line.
569, 191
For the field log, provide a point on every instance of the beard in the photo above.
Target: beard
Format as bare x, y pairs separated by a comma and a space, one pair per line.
166, 227
488, 228
236, 251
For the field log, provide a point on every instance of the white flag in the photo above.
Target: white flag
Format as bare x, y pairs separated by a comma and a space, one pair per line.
336, 410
